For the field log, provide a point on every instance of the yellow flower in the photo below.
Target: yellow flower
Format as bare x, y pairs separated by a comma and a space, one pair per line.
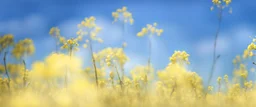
111, 75
248, 84
22, 48
179, 56
219, 80
150, 30
140, 34
131, 21
100, 40
226, 78
227, 1
215, 1
123, 14
54, 31
124, 9
85, 45
210, 88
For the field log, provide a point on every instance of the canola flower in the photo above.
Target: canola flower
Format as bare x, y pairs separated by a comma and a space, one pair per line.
89, 27
6, 42
123, 14
150, 30
180, 57
221, 5
174, 85
21, 50
55, 32
114, 58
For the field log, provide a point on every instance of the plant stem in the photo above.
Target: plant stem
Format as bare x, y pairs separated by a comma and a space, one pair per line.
94, 65
215, 45
56, 44
123, 50
24, 76
6, 72
121, 83
66, 74
149, 57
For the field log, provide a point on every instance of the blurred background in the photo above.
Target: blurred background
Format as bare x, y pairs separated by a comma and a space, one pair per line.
188, 25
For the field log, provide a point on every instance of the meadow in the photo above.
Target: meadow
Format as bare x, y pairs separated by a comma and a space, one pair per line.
60, 80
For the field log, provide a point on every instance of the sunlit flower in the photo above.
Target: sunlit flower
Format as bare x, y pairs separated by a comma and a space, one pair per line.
124, 15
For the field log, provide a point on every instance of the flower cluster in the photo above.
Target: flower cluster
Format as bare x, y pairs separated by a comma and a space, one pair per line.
123, 14
71, 44
55, 31
6, 41
111, 56
179, 56
221, 4
90, 28
23, 48
141, 73
150, 30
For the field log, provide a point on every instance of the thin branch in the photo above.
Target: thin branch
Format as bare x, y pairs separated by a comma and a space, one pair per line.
6, 72
121, 82
94, 65
215, 46
24, 76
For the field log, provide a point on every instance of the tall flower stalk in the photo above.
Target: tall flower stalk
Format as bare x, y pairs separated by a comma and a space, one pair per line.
220, 5
22, 49
150, 30
6, 42
55, 32
124, 16
89, 28
113, 58
70, 45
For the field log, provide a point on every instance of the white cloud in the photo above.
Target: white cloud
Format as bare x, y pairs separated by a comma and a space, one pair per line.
241, 35
135, 60
111, 33
205, 47
235, 37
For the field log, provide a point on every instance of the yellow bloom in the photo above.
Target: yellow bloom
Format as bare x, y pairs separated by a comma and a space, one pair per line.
219, 80
179, 56
248, 84
150, 30
111, 75
124, 9
124, 13
210, 88
54, 31
100, 40
227, 1
85, 45
140, 34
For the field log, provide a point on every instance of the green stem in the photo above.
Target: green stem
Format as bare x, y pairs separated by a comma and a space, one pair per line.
94, 64
24, 76
6, 72
121, 83
56, 44
215, 45
123, 49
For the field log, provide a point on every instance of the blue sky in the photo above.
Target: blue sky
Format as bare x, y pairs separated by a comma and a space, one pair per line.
188, 25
